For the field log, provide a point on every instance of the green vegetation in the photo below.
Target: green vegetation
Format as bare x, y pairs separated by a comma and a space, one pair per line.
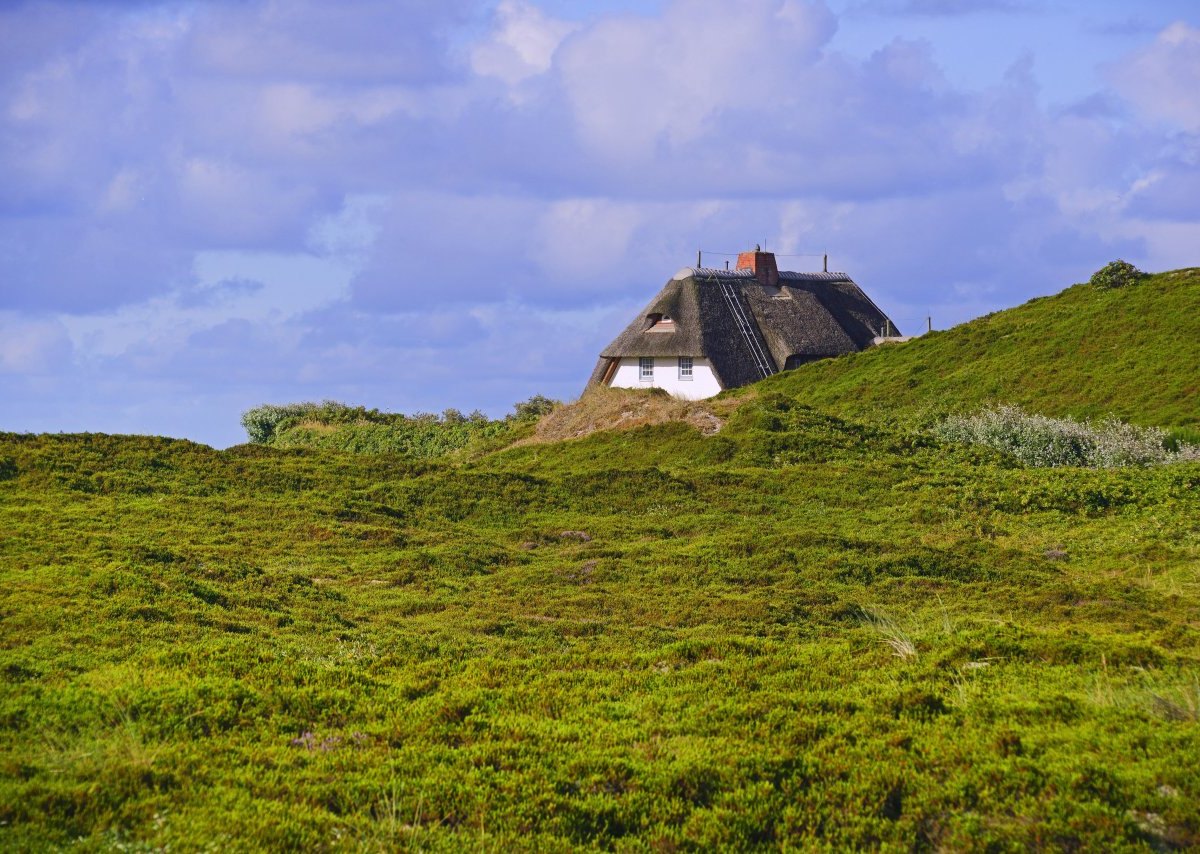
1128, 352
803, 630
336, 426
1116, 274
1037, 440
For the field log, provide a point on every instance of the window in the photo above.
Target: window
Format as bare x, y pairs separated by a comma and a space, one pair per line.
646, 365
685, 367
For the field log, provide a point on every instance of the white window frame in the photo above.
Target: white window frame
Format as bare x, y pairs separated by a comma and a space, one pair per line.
646, 369
686, 371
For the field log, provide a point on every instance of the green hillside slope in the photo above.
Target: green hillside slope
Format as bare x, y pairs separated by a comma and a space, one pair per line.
1133, 352
800, 632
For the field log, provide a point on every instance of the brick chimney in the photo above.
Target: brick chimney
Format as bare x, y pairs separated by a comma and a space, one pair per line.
761, 264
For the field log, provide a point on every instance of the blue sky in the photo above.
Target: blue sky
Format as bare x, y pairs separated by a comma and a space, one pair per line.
415, 206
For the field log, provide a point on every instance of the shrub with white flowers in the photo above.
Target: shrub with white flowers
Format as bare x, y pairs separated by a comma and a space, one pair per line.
1037, 440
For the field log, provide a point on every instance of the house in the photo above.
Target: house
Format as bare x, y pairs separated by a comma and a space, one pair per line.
709, 330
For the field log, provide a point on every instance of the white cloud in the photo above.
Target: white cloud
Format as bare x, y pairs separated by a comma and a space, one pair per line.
268, 290
295, 198
1168, 245
1161, 80
32, 347
122, 192
224, 204
641, 87
521, 45
580, 237
371, 41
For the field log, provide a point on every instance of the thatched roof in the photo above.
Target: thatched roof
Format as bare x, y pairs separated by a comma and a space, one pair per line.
807, 316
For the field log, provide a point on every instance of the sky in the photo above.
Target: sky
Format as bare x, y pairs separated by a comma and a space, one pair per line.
417, 205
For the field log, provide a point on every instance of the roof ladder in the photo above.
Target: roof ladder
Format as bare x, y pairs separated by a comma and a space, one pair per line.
749, 331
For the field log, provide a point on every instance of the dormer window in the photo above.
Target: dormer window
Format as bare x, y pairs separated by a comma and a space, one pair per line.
661, 323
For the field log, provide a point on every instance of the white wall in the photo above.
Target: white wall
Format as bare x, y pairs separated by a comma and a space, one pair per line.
666, 376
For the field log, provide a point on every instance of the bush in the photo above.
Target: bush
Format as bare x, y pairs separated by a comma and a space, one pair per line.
367, 431
266, 422
534, 408
1181, 437
1116, 274
263, 422
1037, 440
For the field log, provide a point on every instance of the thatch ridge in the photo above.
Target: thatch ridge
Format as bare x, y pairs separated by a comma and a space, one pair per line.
715, 273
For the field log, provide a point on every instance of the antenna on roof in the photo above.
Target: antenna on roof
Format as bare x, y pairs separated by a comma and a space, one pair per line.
826, 267
699, 255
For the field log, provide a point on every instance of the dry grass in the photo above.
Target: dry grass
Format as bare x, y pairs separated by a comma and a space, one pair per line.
322, 427
890, 633
602, 408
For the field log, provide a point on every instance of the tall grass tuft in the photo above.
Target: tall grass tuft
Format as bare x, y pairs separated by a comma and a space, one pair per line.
1174, 701
890, 633
1037, 440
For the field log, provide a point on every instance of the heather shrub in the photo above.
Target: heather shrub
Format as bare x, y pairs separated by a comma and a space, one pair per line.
1116, 274
266, 423
337, 426
262, 422
533, 408
376, 431
1037, 440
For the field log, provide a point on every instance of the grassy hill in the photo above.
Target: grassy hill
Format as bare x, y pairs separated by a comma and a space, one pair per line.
1132, 352
799, 631
1087, 352
803, 630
